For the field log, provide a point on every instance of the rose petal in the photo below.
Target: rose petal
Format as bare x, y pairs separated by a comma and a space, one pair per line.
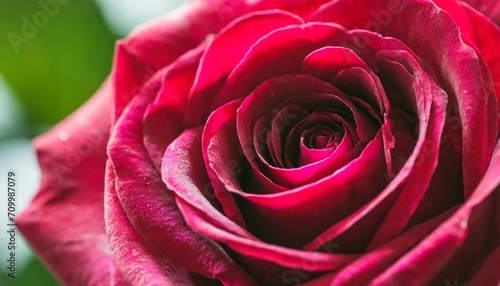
431, 105
300, 7
478, 31
454, 8
168, 108
154, 45
491, 8
365, 218
214, 145
487, 41
424, 261
190, 176
326, 64
488, 273
268, 214
223, 54
309, 153
442, 192
64, 222
287, 47
458, 69
369, 265
291, 90
186, 153
281, 88
328, 144
315, 261
139, 262
151, 209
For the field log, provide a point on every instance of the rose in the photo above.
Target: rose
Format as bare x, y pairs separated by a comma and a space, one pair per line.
347, 143
398, 181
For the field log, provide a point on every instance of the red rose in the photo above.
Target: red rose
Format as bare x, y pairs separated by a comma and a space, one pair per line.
283, 143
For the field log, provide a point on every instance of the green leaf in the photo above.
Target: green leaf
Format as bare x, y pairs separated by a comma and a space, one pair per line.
54, 54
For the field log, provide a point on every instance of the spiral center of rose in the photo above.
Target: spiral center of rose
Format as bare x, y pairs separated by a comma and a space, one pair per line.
310, 128
315, 138
320, 138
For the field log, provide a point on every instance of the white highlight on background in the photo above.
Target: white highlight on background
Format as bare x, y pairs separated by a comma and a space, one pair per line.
15, 155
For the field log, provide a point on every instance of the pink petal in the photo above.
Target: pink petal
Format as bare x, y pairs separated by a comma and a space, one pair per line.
487, 39
324, 165
314, 207
168, 108
431, 254
189, 178
431, 104
299, 7
261, 102
139, 262
369, 265
282, 123
490, 8
151, 209
326, 64
186, 153
287, 47
459, 15
157, 44
367, 217
292, 90
216, 136
65, 221
442, 192
458, 69
321, 145
224, 52
314, 261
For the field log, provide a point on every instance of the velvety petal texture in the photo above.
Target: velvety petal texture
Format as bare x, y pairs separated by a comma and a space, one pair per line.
64, 223
489, 8
283, 143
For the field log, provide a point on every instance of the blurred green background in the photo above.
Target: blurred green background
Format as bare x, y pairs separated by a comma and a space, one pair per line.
53, 55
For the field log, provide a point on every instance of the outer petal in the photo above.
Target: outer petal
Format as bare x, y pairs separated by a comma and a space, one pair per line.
479, 32
301, 8
157, 44
372, 263
487, 40
431, 255
134, 257
151, 208
64, 222
490, 8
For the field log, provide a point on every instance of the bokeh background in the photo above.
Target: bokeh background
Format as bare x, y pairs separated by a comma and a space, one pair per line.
53, 55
